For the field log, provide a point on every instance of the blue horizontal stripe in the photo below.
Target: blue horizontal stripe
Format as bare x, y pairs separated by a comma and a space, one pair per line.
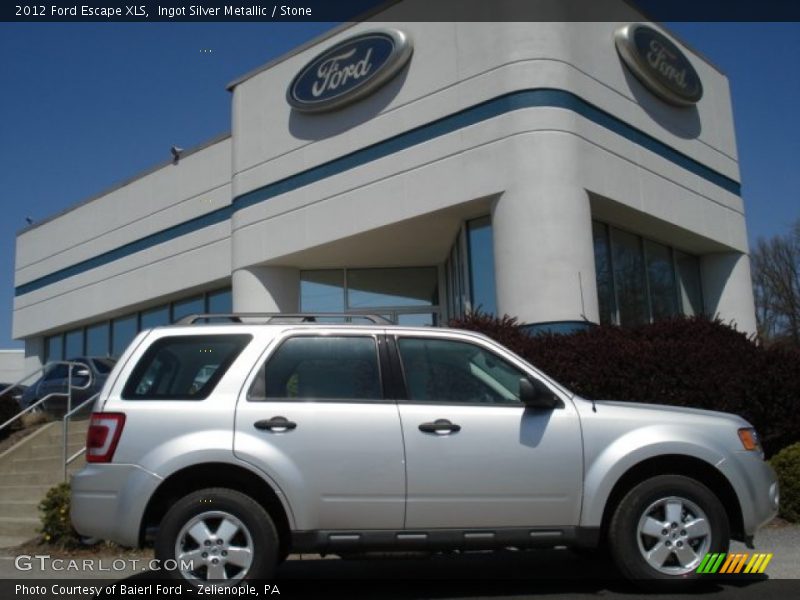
218, 216
549, 98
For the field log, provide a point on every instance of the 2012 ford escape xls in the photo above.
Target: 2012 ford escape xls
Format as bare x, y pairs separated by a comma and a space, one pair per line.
234, 444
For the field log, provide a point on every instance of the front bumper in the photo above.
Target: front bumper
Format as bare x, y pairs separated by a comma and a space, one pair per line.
109, 500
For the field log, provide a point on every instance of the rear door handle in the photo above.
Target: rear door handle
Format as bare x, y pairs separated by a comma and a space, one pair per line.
440, 426
275, 424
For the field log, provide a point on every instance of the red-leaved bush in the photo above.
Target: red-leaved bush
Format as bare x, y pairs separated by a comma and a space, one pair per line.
695, 361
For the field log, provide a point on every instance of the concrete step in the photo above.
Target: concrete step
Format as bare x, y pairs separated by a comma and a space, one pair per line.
23, 492
27, 471
55, 436
19, 526
11, 541
43, 451
30, 478
20, 508
51, 464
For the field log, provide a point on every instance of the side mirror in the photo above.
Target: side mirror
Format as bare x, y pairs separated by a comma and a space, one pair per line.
534, 394
81, 373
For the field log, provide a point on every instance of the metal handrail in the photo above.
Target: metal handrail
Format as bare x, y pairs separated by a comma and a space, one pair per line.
303, 317
68, 395
65, 427
43, 369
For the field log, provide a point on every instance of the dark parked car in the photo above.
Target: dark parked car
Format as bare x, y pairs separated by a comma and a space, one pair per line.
13, 392
90, 370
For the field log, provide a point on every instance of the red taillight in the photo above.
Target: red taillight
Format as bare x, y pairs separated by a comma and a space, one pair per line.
103, 435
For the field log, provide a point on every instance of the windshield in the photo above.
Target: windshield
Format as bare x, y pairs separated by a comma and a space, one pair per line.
103, 365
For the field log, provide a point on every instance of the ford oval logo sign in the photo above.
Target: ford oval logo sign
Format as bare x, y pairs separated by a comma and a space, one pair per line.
349, 70
659, 64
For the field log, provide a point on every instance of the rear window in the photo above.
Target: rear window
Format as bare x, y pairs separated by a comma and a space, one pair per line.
183, 367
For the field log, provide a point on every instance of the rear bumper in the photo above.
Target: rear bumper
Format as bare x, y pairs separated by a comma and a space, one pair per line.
109, 500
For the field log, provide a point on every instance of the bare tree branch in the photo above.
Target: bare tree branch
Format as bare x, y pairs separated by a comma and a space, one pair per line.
776, 287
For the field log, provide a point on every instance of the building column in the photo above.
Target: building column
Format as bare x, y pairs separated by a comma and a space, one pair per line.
544, 253
34, 356
266, 289
728, 289
543, 248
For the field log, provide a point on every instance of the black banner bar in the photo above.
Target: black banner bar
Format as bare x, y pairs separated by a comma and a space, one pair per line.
396, 10
395, 589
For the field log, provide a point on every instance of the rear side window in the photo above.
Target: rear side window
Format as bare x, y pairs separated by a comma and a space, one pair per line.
323, 368
183, 367
59, 371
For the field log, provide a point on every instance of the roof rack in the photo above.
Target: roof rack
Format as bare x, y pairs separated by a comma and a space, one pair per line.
283, 317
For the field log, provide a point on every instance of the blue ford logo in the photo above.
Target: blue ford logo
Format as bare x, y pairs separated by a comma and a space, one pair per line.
349, 70
659, 64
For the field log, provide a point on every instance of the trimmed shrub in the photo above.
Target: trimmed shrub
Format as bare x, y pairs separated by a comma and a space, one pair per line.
56, 526
695, 361
787, 465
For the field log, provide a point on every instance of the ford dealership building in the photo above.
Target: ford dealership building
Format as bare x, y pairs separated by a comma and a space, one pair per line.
553, 171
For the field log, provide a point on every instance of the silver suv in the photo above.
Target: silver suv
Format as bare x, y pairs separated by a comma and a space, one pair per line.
233, 444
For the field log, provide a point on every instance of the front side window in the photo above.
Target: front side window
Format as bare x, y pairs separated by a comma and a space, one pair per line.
321, 368
60, 371
454, 372
183, 367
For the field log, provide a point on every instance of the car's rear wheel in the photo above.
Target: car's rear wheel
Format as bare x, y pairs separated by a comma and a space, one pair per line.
663, 528
217, 535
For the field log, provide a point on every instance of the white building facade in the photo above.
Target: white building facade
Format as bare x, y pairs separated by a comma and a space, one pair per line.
541, 170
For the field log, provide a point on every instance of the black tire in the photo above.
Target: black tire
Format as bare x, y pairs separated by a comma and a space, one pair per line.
630, 546
221, 511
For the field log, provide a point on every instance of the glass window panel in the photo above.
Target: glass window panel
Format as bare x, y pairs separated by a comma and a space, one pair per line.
155, 317
367, 288
189, 306
183, 367
220, 302
417, 320
688, 269
321, 369
57, 372
104, 365
605, 281
481, 265
123, 330
322, 291
97, 340
628, 265
661, 279
73, 344
53, 348
457, 372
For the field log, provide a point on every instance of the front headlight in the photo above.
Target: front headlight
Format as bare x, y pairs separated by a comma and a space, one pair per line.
749, 439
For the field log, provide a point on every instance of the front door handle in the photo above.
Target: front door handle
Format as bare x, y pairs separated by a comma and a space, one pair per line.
275, 424
440, 426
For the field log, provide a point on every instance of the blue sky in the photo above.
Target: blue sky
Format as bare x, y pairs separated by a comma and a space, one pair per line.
85, 106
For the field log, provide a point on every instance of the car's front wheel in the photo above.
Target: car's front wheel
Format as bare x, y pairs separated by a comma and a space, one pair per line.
662, 529
217, 535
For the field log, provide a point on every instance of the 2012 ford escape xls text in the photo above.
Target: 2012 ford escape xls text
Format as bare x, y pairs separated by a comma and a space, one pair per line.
234, 444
